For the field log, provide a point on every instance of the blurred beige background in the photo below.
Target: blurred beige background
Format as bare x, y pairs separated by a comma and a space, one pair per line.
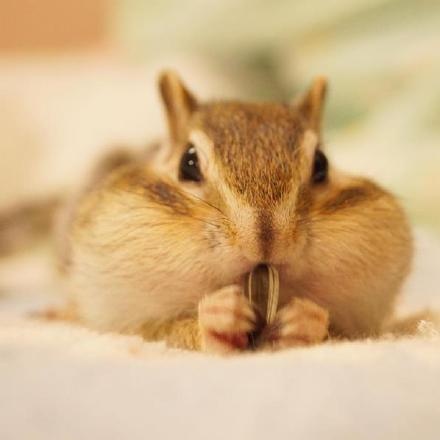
79, 77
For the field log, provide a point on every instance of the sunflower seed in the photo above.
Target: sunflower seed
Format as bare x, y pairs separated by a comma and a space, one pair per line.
262, 290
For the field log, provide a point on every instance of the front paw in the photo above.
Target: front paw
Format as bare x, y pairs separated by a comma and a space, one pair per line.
226, 318
299, 323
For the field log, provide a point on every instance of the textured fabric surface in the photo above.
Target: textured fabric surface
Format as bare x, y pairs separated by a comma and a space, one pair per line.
59, 381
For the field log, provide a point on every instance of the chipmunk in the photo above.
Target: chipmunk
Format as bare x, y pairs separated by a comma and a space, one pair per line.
159, 244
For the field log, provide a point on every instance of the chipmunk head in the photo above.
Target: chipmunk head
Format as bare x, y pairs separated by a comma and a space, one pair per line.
259, 163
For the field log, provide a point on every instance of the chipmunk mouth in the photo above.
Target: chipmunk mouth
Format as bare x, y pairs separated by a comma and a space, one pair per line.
250, 267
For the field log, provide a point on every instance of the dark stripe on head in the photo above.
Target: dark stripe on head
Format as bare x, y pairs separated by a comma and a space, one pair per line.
165, 194
350, 197
265, 233
255, 145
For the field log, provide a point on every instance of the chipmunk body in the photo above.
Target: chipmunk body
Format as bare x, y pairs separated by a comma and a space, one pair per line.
160, 246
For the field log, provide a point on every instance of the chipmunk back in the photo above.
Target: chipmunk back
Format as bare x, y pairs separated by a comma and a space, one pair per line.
160, 244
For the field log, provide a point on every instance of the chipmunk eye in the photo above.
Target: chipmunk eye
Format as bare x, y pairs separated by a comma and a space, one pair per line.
189, 165
320, 167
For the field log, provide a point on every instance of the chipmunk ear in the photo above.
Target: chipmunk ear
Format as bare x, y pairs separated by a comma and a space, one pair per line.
179, 103
311, 104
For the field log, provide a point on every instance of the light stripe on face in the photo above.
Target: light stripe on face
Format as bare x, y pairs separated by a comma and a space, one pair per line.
253, 173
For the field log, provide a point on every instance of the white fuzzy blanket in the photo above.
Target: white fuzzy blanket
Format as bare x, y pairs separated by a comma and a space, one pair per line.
58, 381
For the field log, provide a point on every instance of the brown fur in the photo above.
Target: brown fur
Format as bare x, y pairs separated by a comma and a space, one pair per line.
21, 226
147, 249
243, 140
160, 192
346, 198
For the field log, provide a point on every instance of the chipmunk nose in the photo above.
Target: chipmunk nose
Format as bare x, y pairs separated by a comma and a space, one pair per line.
261, 234
256, 237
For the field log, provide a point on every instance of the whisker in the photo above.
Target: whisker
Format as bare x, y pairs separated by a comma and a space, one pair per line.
207, 203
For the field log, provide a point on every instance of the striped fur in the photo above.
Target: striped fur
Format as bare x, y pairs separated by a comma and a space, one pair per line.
145, 248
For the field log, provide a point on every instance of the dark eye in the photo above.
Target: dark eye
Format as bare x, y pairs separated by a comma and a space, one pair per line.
320, 167
189, 165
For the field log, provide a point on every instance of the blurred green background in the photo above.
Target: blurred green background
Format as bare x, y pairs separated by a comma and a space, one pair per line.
382, 59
